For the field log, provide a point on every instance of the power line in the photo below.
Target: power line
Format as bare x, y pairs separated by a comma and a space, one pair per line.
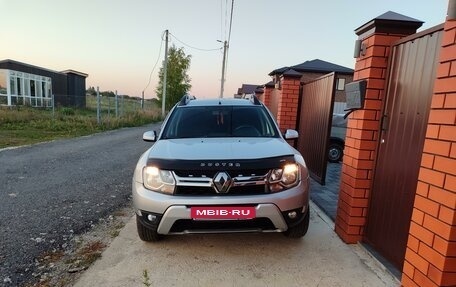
200, 49
221, 19
226, 16
155, 65
231, 20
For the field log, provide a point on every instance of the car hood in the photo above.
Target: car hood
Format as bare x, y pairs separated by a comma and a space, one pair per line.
220, 148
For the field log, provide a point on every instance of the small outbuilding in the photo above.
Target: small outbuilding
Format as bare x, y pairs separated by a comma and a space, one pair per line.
25, 84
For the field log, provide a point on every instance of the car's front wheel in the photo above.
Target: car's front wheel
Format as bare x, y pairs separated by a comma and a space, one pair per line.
300, 229
147, 233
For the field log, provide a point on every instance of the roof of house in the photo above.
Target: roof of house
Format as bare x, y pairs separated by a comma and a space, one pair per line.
316, 65
248, 89
75, 72
9, 61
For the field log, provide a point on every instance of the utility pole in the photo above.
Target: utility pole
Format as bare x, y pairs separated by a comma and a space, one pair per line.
142, 101
225, 50
165, 74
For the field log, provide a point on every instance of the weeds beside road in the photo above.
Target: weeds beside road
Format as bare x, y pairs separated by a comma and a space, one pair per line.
24, 125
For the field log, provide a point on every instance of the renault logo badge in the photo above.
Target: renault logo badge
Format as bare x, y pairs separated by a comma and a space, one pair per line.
222, 182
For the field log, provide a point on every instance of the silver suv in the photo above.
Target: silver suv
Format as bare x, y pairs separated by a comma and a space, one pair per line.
220, 165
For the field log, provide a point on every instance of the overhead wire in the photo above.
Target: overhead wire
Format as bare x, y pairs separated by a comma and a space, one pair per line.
231, 20
196, 48
156, 62
229, 33
226, 17
221, 19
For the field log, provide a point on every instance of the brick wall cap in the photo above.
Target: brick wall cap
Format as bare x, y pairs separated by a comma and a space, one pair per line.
390, 22
278, 71
259, 91
269, 84
292, 74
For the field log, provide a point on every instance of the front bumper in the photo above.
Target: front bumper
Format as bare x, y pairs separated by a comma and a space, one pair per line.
172, 213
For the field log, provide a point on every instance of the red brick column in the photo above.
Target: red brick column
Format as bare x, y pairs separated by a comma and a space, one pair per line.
288, 104
362, 129
267, 93
430, 259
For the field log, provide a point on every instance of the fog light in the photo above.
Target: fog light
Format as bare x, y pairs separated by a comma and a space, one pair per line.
151, 217
292, 214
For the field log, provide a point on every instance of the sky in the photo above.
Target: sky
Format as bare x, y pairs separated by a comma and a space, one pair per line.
118, 42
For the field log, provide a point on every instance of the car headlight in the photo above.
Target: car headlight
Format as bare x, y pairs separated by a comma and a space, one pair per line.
158, 180
283, 178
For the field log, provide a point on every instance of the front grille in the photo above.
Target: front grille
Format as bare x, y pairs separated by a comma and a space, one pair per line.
222, 225
212, 173
201, 183
195, 173
234, 190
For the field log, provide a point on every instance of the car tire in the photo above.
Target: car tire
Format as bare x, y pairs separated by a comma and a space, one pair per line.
335, 152
300, 229
147, 233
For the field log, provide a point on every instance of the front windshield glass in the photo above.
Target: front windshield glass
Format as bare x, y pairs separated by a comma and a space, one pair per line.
219, 121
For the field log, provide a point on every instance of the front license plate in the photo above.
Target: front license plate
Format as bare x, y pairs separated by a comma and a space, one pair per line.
222, 212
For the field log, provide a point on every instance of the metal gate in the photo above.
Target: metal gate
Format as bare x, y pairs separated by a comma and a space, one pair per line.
314, 123
408, 100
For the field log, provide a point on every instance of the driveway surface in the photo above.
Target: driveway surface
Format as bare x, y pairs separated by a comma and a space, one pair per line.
318, 259
49, 192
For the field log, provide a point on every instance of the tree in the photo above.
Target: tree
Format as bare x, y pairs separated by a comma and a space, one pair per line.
91, 91
178, 82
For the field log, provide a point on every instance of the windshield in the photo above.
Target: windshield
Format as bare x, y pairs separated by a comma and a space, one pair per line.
219, 121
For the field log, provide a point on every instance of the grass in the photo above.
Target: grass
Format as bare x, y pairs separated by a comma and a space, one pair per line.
146, 279
22, 125
86, 256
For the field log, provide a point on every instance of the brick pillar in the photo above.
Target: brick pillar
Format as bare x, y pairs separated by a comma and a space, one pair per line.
430, 259
267, 93
362, 128
288, 104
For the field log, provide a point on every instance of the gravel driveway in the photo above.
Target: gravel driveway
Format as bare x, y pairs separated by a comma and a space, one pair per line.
49, 192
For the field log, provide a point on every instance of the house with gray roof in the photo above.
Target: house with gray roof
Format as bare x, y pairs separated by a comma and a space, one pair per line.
313, 69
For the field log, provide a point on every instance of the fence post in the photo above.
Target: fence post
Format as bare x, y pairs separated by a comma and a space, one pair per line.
122, 107
53, 106
98, 106
117, 105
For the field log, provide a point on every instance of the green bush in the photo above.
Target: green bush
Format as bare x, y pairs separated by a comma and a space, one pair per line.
67, 111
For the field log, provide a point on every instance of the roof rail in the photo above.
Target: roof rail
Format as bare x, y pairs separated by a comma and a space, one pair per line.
186, 99
254, 99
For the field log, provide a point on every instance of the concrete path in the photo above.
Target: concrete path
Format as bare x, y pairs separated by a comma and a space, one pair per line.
319, 259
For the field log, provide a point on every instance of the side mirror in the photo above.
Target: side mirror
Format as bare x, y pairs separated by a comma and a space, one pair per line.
291, 134
150, 136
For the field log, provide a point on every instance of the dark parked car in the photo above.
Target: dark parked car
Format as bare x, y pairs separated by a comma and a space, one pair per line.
337, 139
